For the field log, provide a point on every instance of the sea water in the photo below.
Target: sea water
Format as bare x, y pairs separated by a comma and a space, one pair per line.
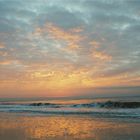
127, 107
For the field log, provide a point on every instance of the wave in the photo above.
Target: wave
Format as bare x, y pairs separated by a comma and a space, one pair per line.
108, 104
93, 113
111, 104
46, 104
113, 109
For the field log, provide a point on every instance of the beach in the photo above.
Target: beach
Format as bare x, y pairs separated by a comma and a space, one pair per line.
66, 127
69, 69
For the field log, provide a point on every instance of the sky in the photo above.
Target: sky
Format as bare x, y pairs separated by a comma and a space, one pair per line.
56, 48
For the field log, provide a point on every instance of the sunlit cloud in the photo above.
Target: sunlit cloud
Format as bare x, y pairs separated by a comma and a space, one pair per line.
5, 62
55, 48
94, 44
101, 56
2, 46
71, 38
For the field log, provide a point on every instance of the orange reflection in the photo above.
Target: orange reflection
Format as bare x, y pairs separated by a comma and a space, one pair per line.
65, 127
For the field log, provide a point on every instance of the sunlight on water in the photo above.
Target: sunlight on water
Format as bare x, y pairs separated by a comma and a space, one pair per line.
65, 127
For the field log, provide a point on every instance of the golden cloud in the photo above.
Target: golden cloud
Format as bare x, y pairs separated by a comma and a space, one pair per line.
101, 55
70, 37
8, 62
2, 45
95, 44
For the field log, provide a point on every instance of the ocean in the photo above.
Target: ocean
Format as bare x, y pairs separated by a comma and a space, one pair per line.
70, 119
99, 107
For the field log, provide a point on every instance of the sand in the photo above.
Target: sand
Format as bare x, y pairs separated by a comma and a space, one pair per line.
24, 127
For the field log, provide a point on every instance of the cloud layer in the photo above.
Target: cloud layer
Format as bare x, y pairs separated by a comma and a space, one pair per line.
54, 47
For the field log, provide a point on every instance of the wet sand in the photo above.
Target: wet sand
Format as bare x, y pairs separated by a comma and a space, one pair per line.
23, 127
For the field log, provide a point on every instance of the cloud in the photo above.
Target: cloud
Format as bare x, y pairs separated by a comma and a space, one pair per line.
2, 46
74, 43
5, 62
70, 37
101, 55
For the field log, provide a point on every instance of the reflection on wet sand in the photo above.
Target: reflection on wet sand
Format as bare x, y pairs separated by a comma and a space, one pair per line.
65, 128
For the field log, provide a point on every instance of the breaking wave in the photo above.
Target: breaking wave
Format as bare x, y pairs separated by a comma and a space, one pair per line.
111, 109
108, 104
